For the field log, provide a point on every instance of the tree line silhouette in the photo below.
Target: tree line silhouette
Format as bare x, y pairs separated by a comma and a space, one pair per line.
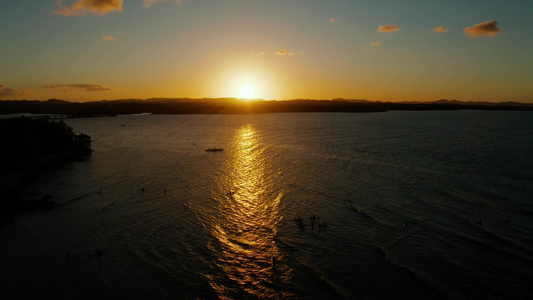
30, 147
236, 106
25, 140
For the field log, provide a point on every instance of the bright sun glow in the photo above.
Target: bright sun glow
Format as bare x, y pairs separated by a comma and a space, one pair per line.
246, 91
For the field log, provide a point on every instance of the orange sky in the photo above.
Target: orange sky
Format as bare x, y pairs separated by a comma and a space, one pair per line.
376, 50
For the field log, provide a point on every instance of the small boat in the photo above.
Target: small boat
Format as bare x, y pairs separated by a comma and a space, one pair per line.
214, 149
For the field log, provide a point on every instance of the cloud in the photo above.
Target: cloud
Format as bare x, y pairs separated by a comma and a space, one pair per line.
489, 28
96, 7
108, 38
331, 20
283, 52
375, 44
440, 29
388, 28
7, 92
257, 53
81, 86
148, 3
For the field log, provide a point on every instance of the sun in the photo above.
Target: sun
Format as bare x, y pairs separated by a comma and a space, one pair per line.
246, 91
244, 83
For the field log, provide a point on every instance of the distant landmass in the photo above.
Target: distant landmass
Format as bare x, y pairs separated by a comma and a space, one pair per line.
236, 106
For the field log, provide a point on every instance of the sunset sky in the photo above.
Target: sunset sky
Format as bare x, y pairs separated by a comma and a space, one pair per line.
387, 50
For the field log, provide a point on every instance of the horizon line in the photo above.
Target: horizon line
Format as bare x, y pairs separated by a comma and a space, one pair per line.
442, 100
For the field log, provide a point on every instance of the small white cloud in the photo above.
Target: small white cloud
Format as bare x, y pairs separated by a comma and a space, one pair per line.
257, 53
331, 20
96, 7
108, 38
7, 92
283, 52
489, 28
79, 86
375, 44
388, 28
440, 29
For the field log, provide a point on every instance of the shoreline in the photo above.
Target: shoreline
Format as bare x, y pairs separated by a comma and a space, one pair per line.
31, 148
13, 184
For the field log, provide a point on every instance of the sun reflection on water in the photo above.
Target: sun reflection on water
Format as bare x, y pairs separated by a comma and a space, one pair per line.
245, 222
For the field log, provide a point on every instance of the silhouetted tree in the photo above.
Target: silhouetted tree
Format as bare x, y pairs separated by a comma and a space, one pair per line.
25, 140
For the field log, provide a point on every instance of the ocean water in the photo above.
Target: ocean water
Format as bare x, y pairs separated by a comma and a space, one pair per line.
395, 205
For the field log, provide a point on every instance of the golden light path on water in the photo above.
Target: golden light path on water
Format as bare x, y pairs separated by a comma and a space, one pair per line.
245, 222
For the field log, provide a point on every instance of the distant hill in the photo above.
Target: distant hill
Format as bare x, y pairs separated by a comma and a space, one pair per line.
235, 106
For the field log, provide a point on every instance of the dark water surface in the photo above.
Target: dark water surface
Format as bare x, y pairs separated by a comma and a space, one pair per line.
411, 205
